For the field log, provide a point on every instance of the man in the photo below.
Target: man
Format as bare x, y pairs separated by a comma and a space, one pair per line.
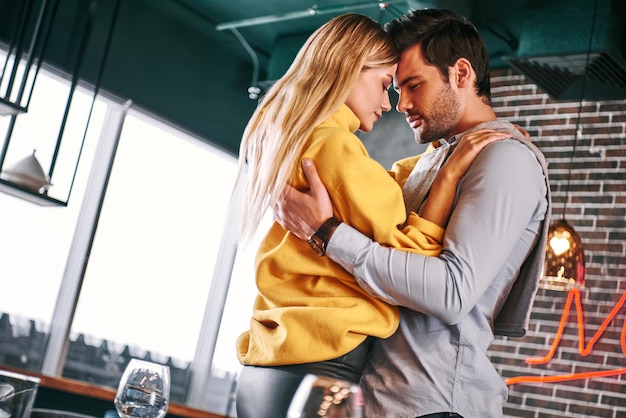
436, 364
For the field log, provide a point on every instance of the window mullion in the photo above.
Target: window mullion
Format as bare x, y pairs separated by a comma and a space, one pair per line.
201, 365
54, 356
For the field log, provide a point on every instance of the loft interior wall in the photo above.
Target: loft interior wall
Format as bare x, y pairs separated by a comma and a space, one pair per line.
166, 66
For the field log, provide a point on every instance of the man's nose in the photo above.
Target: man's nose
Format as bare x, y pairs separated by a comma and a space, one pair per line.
403, 103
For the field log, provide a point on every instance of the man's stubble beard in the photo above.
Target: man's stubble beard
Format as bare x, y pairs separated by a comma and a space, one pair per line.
441, 118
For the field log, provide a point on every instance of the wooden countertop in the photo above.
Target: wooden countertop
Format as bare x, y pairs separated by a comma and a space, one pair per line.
104, 393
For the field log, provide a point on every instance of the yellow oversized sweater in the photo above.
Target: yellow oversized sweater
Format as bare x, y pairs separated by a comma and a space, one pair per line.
309, 308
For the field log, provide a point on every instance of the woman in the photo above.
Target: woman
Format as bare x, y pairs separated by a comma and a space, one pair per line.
310, 316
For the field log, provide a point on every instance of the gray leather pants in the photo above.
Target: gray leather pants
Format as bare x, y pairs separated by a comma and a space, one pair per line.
266, 392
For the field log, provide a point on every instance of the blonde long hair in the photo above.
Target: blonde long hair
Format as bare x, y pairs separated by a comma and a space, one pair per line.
313, 88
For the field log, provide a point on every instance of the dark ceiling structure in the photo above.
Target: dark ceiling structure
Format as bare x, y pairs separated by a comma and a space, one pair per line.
546, 40
200, 64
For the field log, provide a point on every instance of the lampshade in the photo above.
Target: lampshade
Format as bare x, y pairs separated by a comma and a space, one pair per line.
27, 173
565, 259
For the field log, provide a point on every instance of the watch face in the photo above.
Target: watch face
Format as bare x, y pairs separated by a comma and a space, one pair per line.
317, 245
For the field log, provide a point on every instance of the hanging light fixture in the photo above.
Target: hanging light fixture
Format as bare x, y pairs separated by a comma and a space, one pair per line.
26, 179
22, 56
565, 257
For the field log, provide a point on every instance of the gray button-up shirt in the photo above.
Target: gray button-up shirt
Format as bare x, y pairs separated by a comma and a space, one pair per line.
437, 360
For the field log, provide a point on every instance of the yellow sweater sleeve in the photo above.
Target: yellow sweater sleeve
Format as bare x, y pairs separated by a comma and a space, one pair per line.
309, 308
366, 197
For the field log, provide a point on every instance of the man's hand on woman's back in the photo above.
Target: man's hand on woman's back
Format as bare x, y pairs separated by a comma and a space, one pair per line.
302, 213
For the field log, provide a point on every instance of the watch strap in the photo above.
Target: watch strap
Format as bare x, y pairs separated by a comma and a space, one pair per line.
318, 241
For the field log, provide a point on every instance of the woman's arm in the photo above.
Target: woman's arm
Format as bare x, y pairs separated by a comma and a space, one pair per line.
303, 213
438, 206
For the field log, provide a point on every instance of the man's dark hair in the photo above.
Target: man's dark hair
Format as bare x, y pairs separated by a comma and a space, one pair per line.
444, 37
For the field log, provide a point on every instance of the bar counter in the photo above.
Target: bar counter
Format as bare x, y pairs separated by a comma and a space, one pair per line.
82, 397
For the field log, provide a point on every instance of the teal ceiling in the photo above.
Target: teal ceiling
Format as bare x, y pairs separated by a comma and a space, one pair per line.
554, 33
192, 62
499, 22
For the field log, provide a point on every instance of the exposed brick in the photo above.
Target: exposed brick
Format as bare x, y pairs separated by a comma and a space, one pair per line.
607, 259
515, 412
610, 141
573, 108
591, 194
602, 130
607, 385
536, 112
586, 396
590, 411
610, 285
617, 236
613, 400
551, 404
617, 106
549, 122
505, 114
540, 390
606, 176
611, 223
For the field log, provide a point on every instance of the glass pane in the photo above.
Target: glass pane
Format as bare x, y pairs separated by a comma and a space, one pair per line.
36, 239
152, 260
37, 131
238, 309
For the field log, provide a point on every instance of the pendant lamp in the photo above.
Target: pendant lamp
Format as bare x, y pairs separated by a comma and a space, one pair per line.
564, 266
41, 21
565, 258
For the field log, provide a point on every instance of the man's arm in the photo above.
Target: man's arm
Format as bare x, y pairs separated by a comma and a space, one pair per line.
438, 207
303, 213
500, 199
494, 224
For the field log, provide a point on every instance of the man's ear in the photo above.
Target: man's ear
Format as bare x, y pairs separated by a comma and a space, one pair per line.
463, 73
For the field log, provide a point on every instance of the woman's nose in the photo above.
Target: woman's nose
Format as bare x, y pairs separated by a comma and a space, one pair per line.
386, 103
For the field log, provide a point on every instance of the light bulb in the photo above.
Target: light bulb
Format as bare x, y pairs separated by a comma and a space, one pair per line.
560, 242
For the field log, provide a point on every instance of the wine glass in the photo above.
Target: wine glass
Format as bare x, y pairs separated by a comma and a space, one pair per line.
321, 396
17, 394
144, 390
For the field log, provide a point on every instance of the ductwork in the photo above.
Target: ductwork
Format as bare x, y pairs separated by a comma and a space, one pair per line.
555, 49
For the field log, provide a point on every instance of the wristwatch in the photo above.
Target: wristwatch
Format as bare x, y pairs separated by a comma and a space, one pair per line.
319, 240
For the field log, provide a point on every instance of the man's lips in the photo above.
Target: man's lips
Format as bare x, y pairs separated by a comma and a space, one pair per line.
414, 120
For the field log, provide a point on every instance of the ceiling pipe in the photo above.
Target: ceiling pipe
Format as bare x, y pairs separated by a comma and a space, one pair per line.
312, 11
254, 90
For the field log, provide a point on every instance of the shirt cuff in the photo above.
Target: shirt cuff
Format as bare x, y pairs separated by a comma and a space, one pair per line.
350, 249
345, 245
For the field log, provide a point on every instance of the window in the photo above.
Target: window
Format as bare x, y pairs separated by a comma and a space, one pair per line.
154, 251
147, 282
36, 239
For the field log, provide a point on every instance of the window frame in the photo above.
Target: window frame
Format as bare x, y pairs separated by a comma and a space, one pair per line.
54, 355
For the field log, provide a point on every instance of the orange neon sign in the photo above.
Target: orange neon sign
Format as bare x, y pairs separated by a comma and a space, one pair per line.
574, 296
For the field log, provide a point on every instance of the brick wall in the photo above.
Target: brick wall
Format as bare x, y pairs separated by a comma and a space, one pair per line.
596, 207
